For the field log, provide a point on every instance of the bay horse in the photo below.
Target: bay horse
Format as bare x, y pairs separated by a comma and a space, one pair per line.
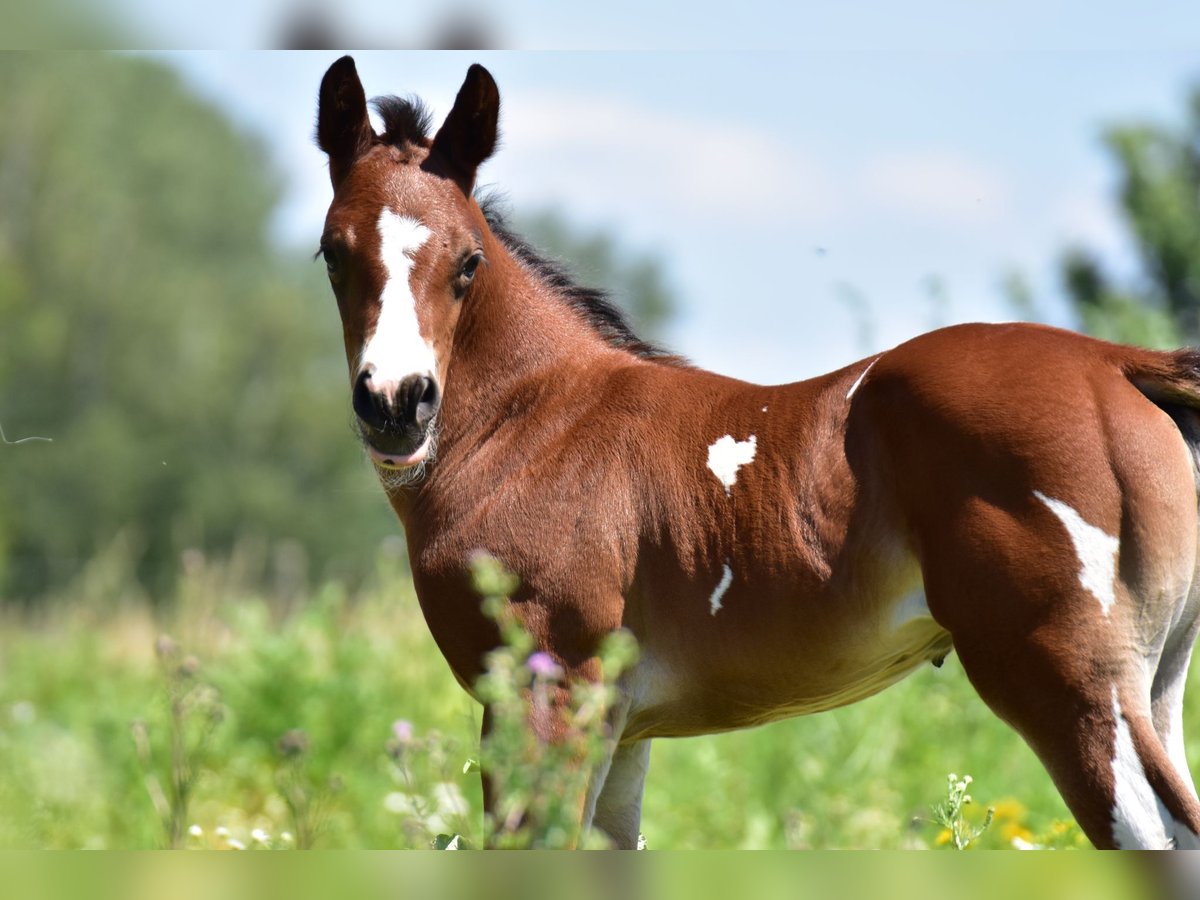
1022, 495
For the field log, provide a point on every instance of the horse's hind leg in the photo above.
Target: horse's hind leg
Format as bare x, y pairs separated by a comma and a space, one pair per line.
1064, 649
1166, 691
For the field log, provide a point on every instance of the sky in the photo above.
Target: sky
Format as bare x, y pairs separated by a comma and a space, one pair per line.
810, 205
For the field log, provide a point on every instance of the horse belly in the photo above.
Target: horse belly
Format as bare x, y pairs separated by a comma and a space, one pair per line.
677, 695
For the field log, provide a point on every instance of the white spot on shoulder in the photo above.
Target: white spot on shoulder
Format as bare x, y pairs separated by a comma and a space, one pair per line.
859, 380
726, 456
714, 602
395, 348
1140, 820
1096, 549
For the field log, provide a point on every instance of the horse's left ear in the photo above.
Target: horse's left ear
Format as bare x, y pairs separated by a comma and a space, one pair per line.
468, 136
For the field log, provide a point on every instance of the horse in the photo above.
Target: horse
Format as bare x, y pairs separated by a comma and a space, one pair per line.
1021, 495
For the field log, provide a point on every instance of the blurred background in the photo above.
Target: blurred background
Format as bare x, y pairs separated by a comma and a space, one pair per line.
177, 452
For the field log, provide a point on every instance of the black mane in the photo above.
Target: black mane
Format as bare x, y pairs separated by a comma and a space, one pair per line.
406, 120
593, 305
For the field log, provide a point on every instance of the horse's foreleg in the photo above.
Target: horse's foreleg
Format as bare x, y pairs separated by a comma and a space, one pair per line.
545, 777
618, 807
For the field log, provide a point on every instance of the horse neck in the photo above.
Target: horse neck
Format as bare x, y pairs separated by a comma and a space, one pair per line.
514, 330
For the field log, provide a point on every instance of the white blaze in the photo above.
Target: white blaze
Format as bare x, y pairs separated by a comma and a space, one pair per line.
726, 456
396, 349
714, 601
1096, 549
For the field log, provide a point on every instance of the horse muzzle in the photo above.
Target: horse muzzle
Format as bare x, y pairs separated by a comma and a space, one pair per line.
395, 418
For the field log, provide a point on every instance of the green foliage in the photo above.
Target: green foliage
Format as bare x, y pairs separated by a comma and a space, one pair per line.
341, 727
1159, 169
189, 372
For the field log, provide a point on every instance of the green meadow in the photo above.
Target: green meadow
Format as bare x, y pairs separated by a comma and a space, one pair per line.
326, 718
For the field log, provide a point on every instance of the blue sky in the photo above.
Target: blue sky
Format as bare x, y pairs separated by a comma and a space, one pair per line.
804, 202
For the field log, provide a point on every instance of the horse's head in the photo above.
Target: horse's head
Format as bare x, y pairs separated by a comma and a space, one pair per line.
402, 243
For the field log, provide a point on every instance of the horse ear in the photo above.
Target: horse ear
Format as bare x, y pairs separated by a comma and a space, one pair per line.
468, 136
343, 127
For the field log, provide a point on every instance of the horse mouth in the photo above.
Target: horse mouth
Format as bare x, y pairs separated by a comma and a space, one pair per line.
393, 453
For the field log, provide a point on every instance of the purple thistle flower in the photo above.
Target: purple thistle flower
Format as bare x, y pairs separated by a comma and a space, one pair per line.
402, 731
543, 665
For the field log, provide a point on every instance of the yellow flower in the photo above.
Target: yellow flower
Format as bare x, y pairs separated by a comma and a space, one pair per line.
1012, 830
1009, 809
943, 837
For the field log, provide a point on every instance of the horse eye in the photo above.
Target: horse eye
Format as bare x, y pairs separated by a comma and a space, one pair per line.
331, 261
471, 265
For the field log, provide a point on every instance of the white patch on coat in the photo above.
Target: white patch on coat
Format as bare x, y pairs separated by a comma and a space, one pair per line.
395, 349
764, 409
1096, 549
859, 380
1140, 820
726, 456
714, 601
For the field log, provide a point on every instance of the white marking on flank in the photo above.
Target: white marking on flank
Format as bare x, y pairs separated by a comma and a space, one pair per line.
764, 409
1140, 821
714, 601
726, 456
396, 349
859, 380
1096, 549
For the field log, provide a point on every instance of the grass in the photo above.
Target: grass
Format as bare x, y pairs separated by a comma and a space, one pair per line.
291, 734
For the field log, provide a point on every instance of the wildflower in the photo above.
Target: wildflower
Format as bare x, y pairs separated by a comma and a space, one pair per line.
222, 832
234, 844
260, 836
292, 743
402, 731
543, 665
196, 831
287, 837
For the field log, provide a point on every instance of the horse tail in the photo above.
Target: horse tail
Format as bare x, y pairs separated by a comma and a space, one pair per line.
1167, 379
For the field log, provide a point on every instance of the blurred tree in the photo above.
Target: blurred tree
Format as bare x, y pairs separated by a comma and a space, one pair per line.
1160, 197
636, 281
189, 373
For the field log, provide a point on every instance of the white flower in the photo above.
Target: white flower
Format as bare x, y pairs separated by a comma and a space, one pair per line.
235, 844
260, 835
196, 831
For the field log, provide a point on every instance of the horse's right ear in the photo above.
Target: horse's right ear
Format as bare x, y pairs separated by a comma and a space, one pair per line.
343, 127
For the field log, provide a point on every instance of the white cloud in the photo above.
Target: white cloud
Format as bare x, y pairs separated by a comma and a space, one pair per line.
625, 160
939, 185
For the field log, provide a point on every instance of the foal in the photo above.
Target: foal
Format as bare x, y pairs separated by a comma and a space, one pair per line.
1022, 495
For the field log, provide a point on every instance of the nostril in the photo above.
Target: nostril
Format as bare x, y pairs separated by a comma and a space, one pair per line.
363, 401
429, 396
427, 400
